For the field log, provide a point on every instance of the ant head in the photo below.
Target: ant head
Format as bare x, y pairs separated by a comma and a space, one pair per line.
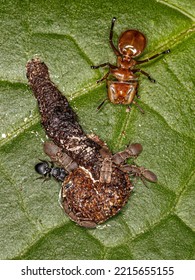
149, 176
131, 43
145, 175
42, 168
135, 149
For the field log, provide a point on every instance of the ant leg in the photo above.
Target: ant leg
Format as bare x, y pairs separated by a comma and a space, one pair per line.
104, 151
152, 57
144, 73
103, 65
100, 65
141, 110
132, 150
64, 204
97, 140
103, 78
101, 104
111, 36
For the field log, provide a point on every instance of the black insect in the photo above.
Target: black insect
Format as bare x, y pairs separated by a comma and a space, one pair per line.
46, 171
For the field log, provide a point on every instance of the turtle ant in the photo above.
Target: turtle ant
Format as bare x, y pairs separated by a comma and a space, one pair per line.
124, 87
44, 169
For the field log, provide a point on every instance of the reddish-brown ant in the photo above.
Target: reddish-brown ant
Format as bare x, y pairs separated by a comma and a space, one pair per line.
123, 89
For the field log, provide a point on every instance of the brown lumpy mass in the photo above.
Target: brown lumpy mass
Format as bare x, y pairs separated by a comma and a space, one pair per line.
95, 202
60, 121
84, 197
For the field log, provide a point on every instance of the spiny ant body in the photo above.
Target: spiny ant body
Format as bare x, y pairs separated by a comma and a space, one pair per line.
96, 187
123, 87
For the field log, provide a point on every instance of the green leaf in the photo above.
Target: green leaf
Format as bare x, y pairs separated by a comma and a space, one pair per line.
159, 220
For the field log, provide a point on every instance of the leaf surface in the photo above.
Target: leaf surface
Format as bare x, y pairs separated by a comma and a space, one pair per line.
69, 36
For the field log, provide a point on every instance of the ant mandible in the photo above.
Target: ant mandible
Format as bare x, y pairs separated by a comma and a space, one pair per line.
124, 88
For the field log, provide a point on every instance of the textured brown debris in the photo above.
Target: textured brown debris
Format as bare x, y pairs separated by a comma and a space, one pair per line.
98, 184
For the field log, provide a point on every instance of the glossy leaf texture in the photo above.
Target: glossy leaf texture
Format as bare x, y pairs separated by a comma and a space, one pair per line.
69, 36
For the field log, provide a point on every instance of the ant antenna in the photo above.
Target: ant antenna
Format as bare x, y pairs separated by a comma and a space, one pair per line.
101, 104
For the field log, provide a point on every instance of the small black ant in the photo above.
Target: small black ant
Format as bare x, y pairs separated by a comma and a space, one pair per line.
44, 169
